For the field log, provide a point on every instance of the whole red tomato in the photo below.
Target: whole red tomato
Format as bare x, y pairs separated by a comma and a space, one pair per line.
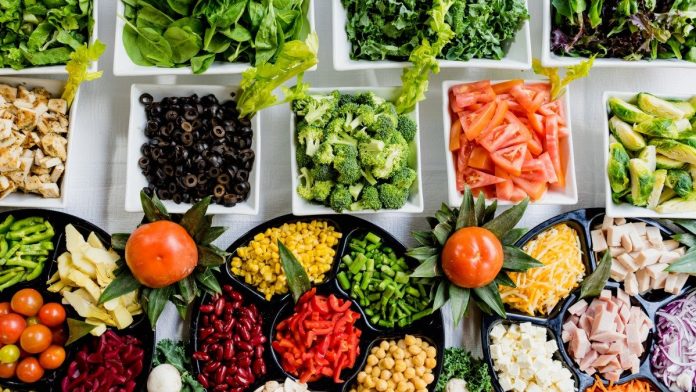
59, 336
29, 370
52, 357
11, 327
161, 253
472, 257
7, 370
52, 314
27, 302
5, 308
36, 338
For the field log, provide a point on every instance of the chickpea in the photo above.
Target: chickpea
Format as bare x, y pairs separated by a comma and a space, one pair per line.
381, 354
420, 371
431, 352
428, 378
399, 354
422, 357
397, 377
409, 340
368, 369
361, 377
385, 374
418, 361
388, 363
384, 345
419, 383
369, 382
372, 360
430, 363
381, 385
409, 373
402, 386
399, 365
376, 372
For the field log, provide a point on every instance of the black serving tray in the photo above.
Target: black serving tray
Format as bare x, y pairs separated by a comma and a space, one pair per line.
429, 328
51, 381
583, 221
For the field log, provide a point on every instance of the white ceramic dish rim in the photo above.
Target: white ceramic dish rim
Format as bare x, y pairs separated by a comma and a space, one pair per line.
550, 59
343, 62
30, 200
135, 180
301, 207
58, 69
123, 66
626, 210
552, 196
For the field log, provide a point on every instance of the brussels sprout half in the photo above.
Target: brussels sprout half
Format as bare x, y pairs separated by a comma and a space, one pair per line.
617, 168
642, 181
658, 107
625, 134
626, 111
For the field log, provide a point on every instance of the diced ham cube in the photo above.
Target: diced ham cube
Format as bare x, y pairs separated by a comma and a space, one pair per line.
612, 376
569, 328
599, 242
605, 295
587, 361
585, 322
603, 360
625, 313
579, 344
635, 364
626, 359
578, 308
620, 325
622, 296
601, 348
607, 337
633, 339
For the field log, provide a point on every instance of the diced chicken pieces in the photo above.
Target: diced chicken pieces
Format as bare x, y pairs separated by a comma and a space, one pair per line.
58, 105
638, 244
614, 234
599, 243
670, 244
9, 93
616, 251
49, 190
607, 222
627, 262
618, 272
626, 243
631, 285
654, 236
669, 256
620, 221
648, 257
643, 280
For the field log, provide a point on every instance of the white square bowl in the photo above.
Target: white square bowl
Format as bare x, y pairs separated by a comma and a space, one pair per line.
625, 210
414, 204
31, 200
519, 55
553, 196
550, 59
136, 181
123, 66
58, 69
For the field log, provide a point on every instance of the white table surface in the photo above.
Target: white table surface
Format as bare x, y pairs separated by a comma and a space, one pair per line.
98, 155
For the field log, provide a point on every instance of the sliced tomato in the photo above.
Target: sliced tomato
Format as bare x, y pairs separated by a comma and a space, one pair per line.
488, 191
522, 97
455, 135
518, 194
553, 148
453, 103
502, 136
543, 86
480, 121
476, 106
467, 87
462, 156
536, 122
498, 117
534, 189
504, 87
534, 170
486, 95
534, 143
462, 101
477, 179
563, 132
504, 189
481, 159
510, 158
548, 167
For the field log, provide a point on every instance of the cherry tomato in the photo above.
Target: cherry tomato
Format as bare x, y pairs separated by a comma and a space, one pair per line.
52, 357
161, 253
9, 353
472, 257
52, 314
33, 321
27, 302
7, 370
36, 338
5, 308
11, 327
59, 337
29, 370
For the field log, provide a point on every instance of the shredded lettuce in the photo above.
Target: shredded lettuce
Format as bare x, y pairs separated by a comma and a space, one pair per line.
77, 66
424, 59
258, 83
573, 72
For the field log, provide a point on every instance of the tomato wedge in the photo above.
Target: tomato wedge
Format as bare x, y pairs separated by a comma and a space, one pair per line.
455, 134
481, 159
522, 97
553, 148
480, 121
498, 117
534, 189
548, 167
502, 136
477, 179
467, 87
504, 87
504, 189
510, 158
534, 143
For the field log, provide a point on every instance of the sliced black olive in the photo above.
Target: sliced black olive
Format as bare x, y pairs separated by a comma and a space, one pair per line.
146, 99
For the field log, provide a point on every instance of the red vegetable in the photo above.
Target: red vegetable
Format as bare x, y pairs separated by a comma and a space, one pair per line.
110, 363
231, 347
319, 339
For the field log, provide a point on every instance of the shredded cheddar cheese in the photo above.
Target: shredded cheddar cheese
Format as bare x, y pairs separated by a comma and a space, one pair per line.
540, 289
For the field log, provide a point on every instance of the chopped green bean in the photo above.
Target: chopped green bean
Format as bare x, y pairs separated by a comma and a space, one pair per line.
5, 225
25, 246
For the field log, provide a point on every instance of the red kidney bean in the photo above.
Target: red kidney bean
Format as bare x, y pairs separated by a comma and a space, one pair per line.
230, 343
203, 380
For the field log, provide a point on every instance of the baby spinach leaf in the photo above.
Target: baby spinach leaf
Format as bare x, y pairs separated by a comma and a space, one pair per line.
267, 38
214, 42
150, 16
184, 44
58, 55
200, 64
130, 43
181, 7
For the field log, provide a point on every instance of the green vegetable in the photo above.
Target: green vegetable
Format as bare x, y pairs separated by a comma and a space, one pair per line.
663, 162
353, 152
642, 181
595, 282
197, 33
649, 155
459, 363
675, 150
617, 168
660, 178
24, 249
680, 181
379, 281
664, 127
676, 205
78, 329
658, 107
625, 134
42, 32
627, 112
573, 72
297, 278
174, 353
685, 107
80, 61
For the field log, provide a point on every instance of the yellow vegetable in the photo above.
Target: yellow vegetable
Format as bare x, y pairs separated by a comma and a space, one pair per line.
313, 244
540, 289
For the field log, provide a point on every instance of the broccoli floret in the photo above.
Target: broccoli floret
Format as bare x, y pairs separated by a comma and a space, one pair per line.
310, 137
404, 178
369, 200
391, 196
322, 172
345, 99
407, 128
335, 126
340, 198
316, 109
322, 190
368, 98
342, 138
392, 159
368, 177
346, 164
364, 116
355, 189
387, 110
304, 188
382, 126
302, 158
370, 152
324, 154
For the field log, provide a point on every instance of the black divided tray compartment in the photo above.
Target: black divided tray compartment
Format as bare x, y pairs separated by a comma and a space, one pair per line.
140, 327
583, 221
430, 328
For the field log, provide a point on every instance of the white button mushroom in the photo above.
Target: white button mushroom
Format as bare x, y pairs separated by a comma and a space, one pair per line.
164, 378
